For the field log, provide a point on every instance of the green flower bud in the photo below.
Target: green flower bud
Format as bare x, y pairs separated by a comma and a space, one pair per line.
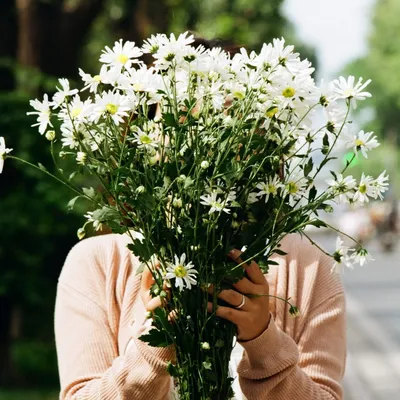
50, 135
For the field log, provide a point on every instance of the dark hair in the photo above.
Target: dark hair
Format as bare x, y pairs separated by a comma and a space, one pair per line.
224, 44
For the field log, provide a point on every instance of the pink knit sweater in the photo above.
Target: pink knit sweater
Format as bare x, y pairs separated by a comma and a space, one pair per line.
98, 312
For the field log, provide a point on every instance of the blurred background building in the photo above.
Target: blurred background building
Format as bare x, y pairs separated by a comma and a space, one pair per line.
43, 40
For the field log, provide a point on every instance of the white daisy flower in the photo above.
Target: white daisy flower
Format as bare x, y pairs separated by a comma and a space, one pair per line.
147, 140
296, 186
365, 189
3, 153
93, 82
97, 224
215, 203
114, 105
77, 110
269, 188
184, 275
363, 142
43, 112
63, 93
381, 184
172, 51
343, 188
341, 256
252, 198
348, 89
362, 256
121, 55
153, 44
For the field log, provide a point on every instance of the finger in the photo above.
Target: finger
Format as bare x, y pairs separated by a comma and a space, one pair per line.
147, 281
245, 286
234, 255
172, 316
234, 298
255, 274
228, 313
154, 303
253, 271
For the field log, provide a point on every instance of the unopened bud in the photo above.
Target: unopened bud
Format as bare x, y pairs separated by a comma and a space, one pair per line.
81, 157
177, 202
81, 233
50, 135
205, 164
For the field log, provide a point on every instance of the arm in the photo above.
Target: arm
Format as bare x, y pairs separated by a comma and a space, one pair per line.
275, 367
90, 365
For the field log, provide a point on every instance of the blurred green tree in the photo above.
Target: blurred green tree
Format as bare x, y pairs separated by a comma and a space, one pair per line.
382, 65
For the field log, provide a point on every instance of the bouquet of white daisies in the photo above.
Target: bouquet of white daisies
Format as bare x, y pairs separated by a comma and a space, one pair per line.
196, 155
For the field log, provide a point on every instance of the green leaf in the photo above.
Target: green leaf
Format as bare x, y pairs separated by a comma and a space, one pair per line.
155, 338
312, 194
169, 119
89, 192
42, 167
188, 182
324, 162
308, 167
318, 223
140, 250
280, 252
334, 175
71, 203
72, 176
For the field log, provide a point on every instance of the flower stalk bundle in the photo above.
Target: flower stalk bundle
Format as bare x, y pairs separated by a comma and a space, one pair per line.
197, 155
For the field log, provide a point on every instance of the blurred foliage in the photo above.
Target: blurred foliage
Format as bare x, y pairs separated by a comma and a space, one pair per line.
28, 395
382, 65
35, 237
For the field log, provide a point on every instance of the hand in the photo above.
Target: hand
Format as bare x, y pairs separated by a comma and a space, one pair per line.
150, 303
251, 319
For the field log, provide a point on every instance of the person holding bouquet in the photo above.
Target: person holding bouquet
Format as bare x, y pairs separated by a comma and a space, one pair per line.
209, 287
103, 305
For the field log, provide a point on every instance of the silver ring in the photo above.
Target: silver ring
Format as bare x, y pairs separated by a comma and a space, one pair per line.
242, 303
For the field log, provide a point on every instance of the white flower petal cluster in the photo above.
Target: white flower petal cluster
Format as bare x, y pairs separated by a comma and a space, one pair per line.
183, 273
362, 142
216, 202
347, 190
210, 137
345, 256
3, 152
351, 90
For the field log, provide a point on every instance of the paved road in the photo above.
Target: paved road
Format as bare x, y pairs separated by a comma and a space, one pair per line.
373, 306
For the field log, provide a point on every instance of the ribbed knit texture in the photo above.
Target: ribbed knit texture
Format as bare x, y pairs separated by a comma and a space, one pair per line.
98, 312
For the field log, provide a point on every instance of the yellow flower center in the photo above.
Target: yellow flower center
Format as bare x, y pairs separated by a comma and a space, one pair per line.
363, 188
111, 108
180, 271
238, 95
348, 93
288, 92
359, 143
272, 111
75, 112
138, 87
292, 188
146, 139
272, 189
122, 58
97, 78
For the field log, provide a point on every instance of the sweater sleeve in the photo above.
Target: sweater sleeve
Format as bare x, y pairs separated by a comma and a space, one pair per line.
90, 365
275, 367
